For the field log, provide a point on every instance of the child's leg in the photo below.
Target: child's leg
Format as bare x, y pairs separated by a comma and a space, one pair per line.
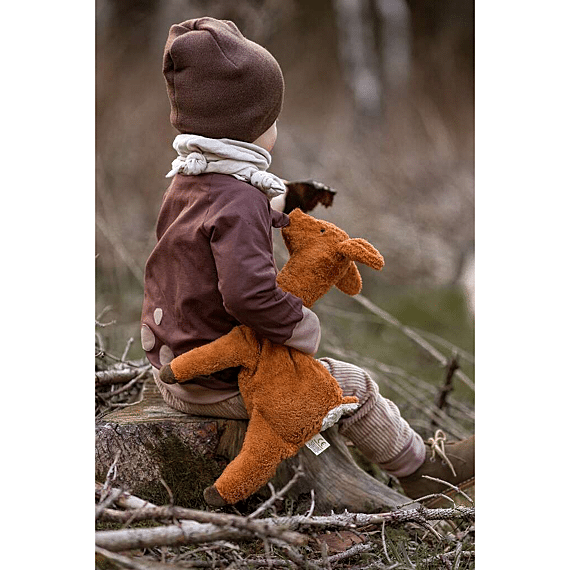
232, 409
376, 427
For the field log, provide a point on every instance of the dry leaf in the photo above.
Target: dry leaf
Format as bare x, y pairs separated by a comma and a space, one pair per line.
339, 541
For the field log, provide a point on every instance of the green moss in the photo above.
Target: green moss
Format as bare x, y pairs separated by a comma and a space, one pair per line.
102, 563
185, 472
109, 525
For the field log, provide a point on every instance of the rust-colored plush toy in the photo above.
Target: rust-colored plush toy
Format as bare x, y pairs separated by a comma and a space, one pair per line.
287, 393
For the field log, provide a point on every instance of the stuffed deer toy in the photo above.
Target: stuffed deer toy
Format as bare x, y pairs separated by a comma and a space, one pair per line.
289, 396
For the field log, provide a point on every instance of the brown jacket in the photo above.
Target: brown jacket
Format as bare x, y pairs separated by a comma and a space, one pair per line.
212, 269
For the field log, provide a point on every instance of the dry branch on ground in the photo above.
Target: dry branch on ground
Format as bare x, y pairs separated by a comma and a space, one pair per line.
291, 540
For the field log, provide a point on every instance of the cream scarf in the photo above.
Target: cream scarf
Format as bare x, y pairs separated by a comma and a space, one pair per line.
245, 161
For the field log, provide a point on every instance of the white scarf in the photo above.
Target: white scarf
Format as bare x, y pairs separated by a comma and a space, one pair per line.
245, 161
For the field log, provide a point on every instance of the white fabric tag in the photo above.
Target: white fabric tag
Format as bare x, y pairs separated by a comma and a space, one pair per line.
317, 444
335, 414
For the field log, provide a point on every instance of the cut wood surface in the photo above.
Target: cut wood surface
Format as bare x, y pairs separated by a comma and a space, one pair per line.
166, 456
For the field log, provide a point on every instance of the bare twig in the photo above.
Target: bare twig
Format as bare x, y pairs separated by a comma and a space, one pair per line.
312, 507
412, 335
125, 388
422, 387
354, 520
298, 559
119, 360
125, 500
453, 365
457, 489
169, 491
103, 325
108, 495
127, 348
467, 356
325, 556
354, 316
119, 375
384, 542
129, 562
356, 549
103, 312
276, 496
109, 499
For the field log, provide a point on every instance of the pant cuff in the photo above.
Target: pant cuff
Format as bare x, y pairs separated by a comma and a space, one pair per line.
408, 460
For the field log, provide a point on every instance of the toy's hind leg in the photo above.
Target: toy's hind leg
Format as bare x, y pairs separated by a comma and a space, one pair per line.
262, 451
232, 349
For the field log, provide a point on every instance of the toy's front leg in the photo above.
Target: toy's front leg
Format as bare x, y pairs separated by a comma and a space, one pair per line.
232, 349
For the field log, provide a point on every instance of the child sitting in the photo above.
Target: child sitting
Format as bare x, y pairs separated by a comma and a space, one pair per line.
213, 268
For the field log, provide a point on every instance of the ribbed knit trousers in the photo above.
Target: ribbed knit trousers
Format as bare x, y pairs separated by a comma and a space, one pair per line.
376, 427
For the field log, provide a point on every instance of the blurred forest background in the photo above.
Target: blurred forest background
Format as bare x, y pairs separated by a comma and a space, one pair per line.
379, 104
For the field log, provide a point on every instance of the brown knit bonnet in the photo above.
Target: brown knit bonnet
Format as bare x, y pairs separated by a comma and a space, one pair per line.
220, 84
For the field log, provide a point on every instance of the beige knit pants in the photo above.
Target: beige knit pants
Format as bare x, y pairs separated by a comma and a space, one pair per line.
376, 427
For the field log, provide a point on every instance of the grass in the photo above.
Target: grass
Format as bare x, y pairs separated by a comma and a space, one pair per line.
438, 311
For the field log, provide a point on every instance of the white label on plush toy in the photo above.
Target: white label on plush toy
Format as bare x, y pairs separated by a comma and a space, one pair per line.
317, 444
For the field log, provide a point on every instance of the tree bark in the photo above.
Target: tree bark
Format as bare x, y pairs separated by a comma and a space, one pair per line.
167, 456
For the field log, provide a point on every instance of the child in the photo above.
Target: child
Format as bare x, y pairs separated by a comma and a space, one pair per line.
213, 267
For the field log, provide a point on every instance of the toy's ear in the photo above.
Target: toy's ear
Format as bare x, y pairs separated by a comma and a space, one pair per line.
351, 282
360, 250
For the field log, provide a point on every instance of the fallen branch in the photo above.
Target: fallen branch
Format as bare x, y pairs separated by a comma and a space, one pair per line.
258, 527
187, 532
119, 375
205, 527
355, 520
202, 526
132, 563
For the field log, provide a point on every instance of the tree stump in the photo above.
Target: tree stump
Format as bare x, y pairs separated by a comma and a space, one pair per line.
162, 452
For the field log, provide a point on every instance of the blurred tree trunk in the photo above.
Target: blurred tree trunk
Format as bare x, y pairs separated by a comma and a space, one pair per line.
374, 46
356, 46
396, 41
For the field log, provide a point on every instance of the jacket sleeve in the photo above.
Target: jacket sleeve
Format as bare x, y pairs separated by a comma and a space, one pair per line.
242, 247
306, 334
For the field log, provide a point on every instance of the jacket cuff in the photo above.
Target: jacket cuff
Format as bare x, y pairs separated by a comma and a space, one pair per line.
278, 203
306, 334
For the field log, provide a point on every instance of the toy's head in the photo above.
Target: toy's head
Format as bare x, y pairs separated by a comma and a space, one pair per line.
220, 84
323, 255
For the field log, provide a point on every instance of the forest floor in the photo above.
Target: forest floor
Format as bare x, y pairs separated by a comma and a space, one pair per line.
412, 362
